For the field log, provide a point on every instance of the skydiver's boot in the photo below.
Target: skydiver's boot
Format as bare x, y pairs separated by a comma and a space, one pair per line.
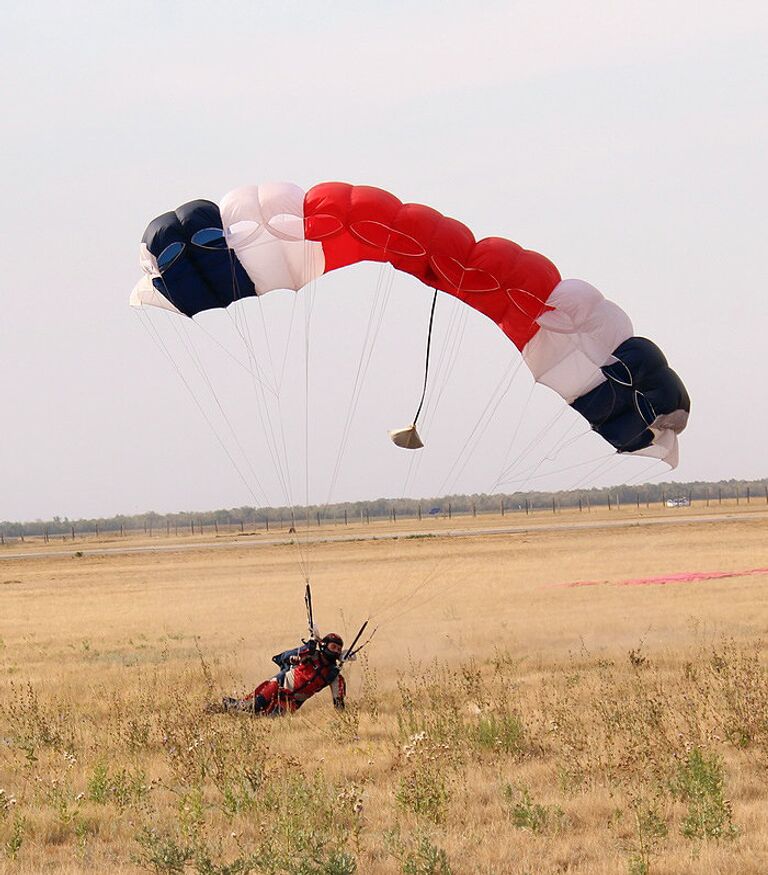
231, 704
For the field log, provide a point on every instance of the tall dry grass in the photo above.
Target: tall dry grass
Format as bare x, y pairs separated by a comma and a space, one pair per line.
497, 723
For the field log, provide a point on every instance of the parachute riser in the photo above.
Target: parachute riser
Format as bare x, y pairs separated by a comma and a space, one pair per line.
352, 651
312, 629
314, 633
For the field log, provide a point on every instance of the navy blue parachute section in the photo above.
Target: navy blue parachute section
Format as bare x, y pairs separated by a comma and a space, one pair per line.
640, 387
199, 271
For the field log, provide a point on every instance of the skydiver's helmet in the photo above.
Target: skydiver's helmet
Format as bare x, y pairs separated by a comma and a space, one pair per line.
332, 647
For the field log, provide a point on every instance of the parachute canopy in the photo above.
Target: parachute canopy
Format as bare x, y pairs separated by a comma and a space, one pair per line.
277, 236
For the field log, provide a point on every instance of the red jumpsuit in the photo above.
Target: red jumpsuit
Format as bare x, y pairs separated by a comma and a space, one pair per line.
304, 672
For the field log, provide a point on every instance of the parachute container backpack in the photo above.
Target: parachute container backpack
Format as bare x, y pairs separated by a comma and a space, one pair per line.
277, 236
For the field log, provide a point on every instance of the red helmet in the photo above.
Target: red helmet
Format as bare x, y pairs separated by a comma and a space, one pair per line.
332, 647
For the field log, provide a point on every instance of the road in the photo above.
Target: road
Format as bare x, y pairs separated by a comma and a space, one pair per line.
236, 543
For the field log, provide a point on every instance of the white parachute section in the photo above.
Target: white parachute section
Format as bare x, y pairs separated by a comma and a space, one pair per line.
576, 339
264, 226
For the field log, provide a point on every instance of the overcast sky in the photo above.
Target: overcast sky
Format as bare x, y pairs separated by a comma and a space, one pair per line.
625, 141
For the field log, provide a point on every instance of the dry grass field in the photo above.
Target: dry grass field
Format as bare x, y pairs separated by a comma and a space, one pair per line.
501, 721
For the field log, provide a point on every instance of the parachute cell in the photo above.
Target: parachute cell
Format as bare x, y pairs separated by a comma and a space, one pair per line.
275, 236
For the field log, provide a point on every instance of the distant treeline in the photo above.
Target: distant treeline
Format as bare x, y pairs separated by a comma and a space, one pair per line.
383, 508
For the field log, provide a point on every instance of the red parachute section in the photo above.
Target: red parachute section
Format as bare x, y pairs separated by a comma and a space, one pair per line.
507, 283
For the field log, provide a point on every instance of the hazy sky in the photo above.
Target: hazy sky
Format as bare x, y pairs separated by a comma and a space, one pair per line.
625, 141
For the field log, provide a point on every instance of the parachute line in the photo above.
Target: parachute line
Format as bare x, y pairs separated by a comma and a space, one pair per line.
480, 427
198, 363
157, 339
379, 303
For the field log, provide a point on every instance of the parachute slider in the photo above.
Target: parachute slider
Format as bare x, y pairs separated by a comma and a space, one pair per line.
407, 438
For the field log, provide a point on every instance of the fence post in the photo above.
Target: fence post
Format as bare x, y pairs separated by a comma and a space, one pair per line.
502, 506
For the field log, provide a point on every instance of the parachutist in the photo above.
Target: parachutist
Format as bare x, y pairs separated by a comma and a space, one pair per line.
304, 671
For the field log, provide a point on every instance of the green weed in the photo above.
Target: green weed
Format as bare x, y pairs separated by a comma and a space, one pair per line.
650, 829
527, 814
418, 855
16, 839
161, 852
500, 733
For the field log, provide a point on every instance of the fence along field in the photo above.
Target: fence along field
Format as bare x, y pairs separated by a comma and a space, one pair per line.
249, 520
502, 721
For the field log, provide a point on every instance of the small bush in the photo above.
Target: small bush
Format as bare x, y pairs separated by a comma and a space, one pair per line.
699, 783
162, 853
650, 831
424, 791
417, 855
525, 813
504, 733
121, 787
